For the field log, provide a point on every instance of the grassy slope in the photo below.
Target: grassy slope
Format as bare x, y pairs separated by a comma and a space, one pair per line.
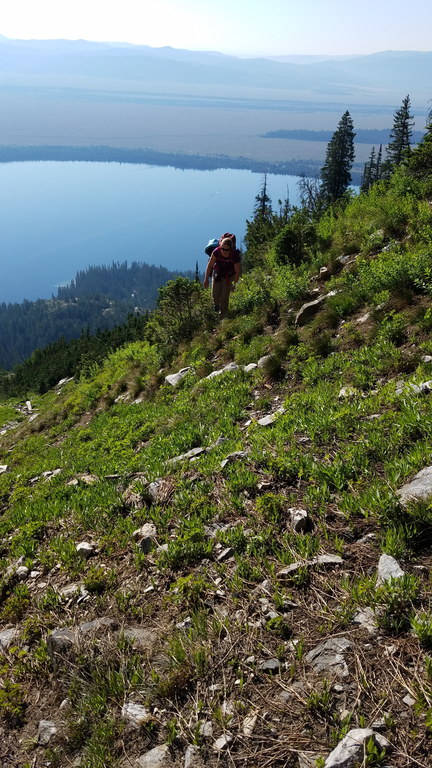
340, 458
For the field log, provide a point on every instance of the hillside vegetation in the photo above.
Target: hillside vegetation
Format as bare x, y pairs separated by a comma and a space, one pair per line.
176, 552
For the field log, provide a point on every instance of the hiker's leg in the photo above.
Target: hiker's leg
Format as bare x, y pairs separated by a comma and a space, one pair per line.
224, 299
216, 293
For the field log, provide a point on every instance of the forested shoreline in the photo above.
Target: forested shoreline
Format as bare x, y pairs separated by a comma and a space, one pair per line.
106, 154
99, 298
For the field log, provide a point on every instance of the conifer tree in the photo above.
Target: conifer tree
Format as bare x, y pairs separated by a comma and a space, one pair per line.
260, 229
372, 169
336, 171
399, 147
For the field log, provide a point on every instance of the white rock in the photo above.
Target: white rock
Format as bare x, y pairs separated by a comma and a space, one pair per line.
388, 569
249, 723
263, 360
365, 617
271, 418
175, 378
409, 700
299, 519
222, 742
7, 637
351, 749
206, 729
419, 489
329, 657
136, 714
158, 757
346, 392
3, 468
85, 549
225, 369
250, 367
192, 757
46, 730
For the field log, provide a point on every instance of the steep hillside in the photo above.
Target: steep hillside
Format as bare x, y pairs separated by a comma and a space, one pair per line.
225, 567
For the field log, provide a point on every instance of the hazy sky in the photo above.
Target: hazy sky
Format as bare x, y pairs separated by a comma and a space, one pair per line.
244, 27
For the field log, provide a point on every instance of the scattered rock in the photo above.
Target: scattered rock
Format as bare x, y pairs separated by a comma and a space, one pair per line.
193, 453
365, 617
85, 550
328, 656
249, 724
270, 666
136, 714
225, 554
158, 757
364, 318
192, 758
141, 639
46, 730
222, 742
175, 378
225, 369
145, 537
84, 478
3, 468
59, 644
22, 573
346, 392
299, 519
206, 729
97, 626
271, 418
419, 489
7, 637
351, 749
409, 700
234, 457
262, 362
309, 310
388, 569
250, 367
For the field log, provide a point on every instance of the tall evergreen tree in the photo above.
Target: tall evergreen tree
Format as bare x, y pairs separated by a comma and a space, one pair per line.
260, 229
372, 169
399, 147
336, 171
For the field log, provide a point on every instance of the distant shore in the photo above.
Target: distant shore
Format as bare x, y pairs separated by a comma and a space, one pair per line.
107, 154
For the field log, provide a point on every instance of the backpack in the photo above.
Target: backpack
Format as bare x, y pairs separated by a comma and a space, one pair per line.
211, 245
230, 237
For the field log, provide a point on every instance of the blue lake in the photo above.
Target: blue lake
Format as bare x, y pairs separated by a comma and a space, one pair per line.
57, 218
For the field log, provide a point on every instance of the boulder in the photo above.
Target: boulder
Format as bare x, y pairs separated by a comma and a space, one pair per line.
299, 519
329, 656
7, 637
158, 757
46, 730
225, 369
351, 750
419, 489
135, 714
310, 309
175, 378
388, 569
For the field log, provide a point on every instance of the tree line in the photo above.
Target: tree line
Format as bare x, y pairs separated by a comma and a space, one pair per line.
98, 298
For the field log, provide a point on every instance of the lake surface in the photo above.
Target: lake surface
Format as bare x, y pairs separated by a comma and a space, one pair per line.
57, 218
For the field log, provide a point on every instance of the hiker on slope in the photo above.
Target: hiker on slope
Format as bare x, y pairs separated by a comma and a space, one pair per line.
225, 266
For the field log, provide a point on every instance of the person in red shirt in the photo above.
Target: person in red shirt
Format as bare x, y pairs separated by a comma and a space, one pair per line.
225, 266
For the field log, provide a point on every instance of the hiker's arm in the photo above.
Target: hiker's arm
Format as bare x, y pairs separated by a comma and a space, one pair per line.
237, 274
209, 270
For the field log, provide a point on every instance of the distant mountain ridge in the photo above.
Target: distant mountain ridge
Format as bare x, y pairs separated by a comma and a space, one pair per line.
47, 60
